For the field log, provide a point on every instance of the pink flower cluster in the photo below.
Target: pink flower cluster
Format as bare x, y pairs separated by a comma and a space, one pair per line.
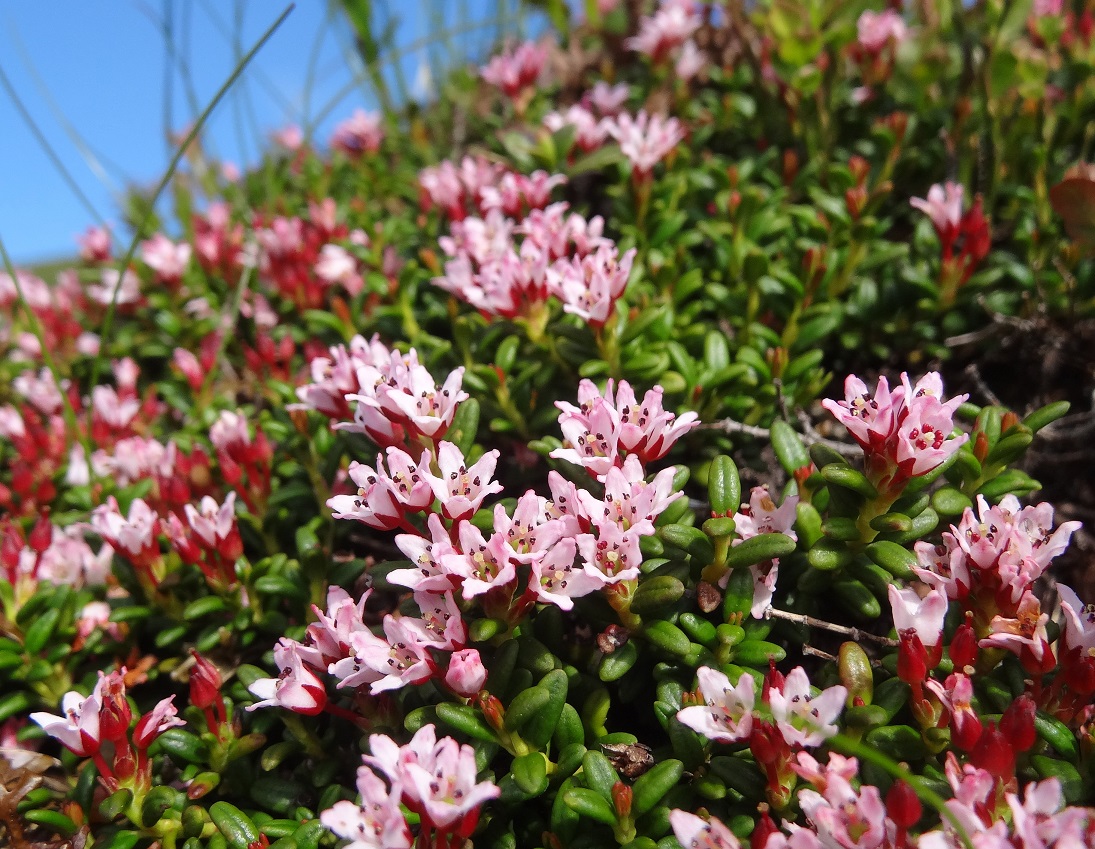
48, 553
559, 255
669, 28
547, 551
477, 187
842, 815
516, 70
592, 117
104, 717
603, 428
300, 258
904, 433
645, 139
788, 718
989, 564
435, 779
57, 309
359, 134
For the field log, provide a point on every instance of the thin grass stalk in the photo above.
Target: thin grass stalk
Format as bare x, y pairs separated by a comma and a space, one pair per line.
108, 319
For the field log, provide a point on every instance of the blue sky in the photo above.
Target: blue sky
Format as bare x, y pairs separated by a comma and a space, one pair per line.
103, 66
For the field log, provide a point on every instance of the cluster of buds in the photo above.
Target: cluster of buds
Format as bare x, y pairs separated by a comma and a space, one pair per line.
435, 779
97, 727
904, 433
788, 719
359, 134
963, 236
300, 258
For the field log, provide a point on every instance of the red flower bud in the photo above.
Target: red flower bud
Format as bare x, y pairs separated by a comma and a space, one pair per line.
912, 658
993, 753
1017, 723
114, 715
903, 805
621, 799
764, 829
205, 683
963, 648
41, 535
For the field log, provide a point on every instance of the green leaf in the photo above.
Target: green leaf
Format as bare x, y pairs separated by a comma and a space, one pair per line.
650, 787
530, 773
589, 804
467, 719
758, 549
238, 828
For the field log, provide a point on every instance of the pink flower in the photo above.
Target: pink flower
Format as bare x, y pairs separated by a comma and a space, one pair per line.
607, 99
802, 719
922, 614
377, 823
297, 688
878, 29
517, 70
673, 24
1025, 631
590, 286
530, 532
216, 526
426, 556
150, 726
904, 433
483, 566
461, 489
728, 715
374, 503
690, 61
611, 556
589, 132
646, 140
134, 535
167, 259
359, 134
466, 674
119, 289
337, 265
944, 207
291, 138
696, 833
762, 516
386, 664
331, 635
555, 580
95, 244
78, 728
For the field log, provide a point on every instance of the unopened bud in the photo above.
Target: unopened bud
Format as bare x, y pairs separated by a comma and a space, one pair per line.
912, 658
621, 799
41, 535
903, 805
993, 753
860, 168
963, 648
205, 682
1017, 723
